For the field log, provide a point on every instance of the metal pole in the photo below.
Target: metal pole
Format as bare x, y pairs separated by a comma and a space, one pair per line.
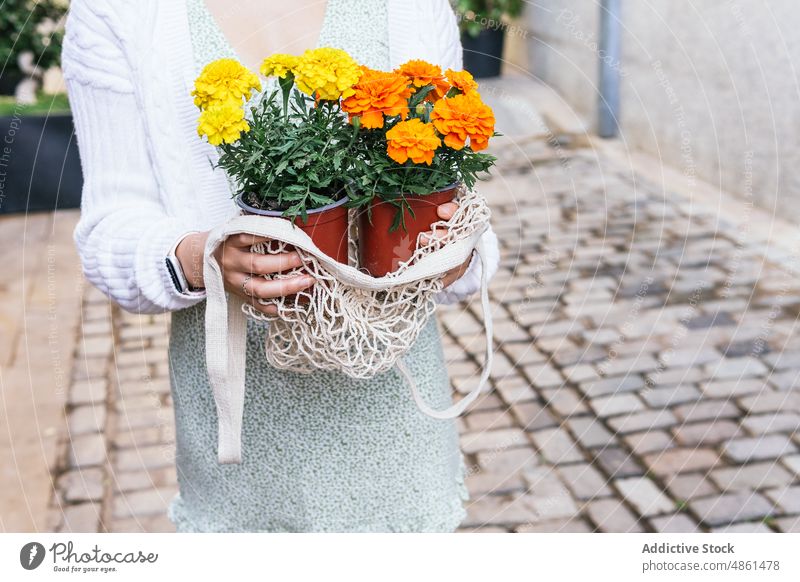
609, 61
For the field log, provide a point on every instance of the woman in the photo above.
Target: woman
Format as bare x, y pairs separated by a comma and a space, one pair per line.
320, 452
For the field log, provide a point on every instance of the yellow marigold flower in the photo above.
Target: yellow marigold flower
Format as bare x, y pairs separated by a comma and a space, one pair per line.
422, 73
461, 117
412, 139
222, 122
376, 95
223, 80
461, 80
327, 72
279, 65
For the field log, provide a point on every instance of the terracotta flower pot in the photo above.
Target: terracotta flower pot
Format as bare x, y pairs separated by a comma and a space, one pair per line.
327, 226
380, 251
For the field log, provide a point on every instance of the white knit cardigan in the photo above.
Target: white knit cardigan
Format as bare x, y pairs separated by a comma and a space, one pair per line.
148, 177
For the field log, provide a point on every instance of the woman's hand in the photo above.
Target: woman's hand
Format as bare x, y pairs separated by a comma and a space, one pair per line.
237, 262
445, 212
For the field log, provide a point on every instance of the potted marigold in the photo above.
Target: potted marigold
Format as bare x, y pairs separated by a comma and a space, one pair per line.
287, 151
421, 137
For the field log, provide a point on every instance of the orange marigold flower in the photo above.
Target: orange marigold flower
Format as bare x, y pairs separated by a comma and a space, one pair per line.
376, 95
461, 80
422, 73
461, 117
412, 139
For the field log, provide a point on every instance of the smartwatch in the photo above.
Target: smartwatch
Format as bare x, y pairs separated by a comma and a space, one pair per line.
176, 272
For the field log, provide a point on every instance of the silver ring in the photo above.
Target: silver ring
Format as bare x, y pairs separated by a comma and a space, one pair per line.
244, 285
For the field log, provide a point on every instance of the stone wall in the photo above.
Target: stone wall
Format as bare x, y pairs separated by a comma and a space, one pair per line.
709, 86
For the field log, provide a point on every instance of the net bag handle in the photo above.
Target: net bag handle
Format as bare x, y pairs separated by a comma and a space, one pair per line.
460, 406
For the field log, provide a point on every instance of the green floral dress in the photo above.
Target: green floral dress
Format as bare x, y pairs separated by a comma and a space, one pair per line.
321, 452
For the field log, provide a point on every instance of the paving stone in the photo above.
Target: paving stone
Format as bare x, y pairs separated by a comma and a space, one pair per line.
532, 416
674, 523
732, 388
689, 486
514, 389
670, 395
789, 524
612, 385
615, 404
736, 368
551, 506
584, 481
494, 483
499, 510
499, 439
630, 366
751, 476
82, 485
644, 496
543, 376
745, 527
576, 525
785, 380
81, 518
771, 402
489, 419
792, 462
87, 450
743, 450
612, 516
143, 503
706, 432
731, 507
788, 422
617, 462
681, 460
590, 432
706, 410
648, 419
89, 391
649, 441
86, 419
565, 401
686, 358
145, 457
556, 445
786, 498
509, 461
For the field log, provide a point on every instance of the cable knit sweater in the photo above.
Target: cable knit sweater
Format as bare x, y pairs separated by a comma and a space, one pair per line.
148, 177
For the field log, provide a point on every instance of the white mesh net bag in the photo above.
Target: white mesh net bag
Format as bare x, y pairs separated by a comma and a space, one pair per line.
352, 323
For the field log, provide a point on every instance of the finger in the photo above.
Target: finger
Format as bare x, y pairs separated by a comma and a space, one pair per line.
243, 240
269, 309
268, 289
429, 235
261, 264
446, 210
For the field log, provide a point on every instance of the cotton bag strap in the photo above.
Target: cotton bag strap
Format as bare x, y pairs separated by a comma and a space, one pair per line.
226, 323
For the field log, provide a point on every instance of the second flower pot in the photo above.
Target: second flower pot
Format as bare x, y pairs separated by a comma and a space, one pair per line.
380, 251
327, 226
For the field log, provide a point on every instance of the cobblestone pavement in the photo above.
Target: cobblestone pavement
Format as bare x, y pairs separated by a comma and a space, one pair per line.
645, 377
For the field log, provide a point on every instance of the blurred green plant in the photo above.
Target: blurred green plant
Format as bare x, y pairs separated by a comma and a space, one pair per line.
45, 105
31, 25
477, 15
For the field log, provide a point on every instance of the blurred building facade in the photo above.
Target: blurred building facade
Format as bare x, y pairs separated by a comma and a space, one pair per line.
708, 86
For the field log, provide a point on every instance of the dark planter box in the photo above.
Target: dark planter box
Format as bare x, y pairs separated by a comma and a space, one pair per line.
9, 81
40, 167
483, 54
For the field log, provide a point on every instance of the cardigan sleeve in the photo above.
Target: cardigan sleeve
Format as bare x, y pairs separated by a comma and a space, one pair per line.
449, 38
124, 232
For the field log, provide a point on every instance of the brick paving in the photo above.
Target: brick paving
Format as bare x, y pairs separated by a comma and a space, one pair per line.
647, 372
